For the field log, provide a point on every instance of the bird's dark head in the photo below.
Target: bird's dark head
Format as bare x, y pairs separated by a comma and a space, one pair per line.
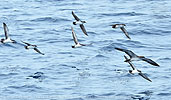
26, 47
74, 23
113, 26
73, 46
130, 71
2, 40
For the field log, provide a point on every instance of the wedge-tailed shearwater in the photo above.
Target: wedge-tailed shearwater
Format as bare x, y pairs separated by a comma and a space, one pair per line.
134, 57
122, 27
80, 22
77, 44
136, 70
7, 38
30, 46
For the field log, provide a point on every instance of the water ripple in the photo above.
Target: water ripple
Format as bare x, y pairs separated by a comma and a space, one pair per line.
49, 19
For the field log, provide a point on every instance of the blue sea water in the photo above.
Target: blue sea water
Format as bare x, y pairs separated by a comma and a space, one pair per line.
95, 72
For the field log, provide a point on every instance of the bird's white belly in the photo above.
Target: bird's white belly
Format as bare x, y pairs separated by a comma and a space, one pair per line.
119, 26
31, 47
78, 22
134, 71
7, 40
135, 59
78, 45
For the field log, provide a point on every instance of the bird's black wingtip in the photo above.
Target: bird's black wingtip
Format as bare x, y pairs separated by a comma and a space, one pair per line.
4, 24
149, 80
129, 38
118, 49
155, 64
158, 65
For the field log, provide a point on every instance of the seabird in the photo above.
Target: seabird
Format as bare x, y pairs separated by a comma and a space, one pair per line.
136, 70
7, 38
134, 57
77, 44
122, 27
30, 46
80, 22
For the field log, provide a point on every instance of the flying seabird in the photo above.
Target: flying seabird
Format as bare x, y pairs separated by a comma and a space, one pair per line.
80, 22
136, 70
122, 27
134, 57
77, 44
7, 38
30, 46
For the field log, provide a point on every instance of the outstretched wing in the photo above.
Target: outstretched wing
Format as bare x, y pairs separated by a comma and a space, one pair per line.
150, 61
26, 43
38, 51
125, 32
128, 52
83, 29
133, 67
76, 18
74, 36
6, 31
144, 76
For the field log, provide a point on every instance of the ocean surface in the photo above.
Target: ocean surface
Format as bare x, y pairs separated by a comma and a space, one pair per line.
94, 72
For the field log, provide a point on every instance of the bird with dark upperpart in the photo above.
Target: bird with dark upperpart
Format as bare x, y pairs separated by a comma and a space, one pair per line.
30, 46
80, 23
77, 44
7, 38
134, 57
122, 27
134, 70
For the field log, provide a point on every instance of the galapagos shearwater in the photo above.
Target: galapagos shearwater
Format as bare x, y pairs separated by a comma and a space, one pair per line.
7, 38
134, 57
77, 44
122, 27
30, 46
79, 22
134, 70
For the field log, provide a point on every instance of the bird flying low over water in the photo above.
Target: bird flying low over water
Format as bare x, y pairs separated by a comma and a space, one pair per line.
134, 57
30, 46
7, 38
122, 27
79, 22
77, 44
134, 70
